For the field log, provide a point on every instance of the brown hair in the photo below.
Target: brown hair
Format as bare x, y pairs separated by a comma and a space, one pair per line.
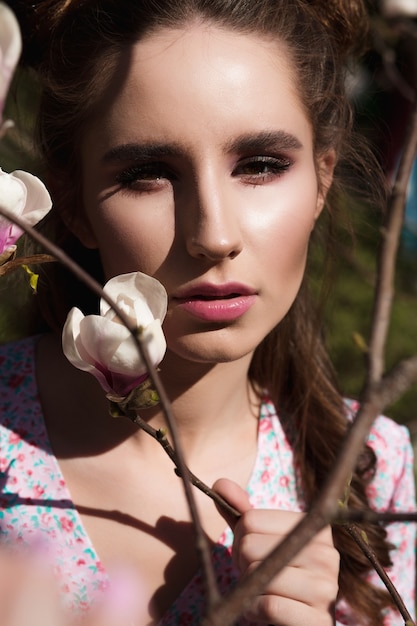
291, 362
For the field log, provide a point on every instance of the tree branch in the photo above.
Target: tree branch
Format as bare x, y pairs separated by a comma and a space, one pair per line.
366, 548
15, 264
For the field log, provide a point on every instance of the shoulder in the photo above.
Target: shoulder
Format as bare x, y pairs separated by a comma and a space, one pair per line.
16, 356
16, 367
392, 487
390, 441
18, 390
386, 436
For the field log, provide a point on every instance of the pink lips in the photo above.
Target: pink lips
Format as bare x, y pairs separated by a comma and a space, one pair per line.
216, 303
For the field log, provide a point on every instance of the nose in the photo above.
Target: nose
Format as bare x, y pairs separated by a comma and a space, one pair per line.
212, 226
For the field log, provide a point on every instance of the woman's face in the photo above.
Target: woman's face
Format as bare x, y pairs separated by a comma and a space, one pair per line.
199, 171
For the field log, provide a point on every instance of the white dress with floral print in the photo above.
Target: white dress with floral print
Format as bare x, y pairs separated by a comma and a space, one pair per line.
36, 507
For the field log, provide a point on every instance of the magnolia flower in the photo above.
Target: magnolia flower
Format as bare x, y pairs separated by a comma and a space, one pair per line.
25, 196
10, 48
103, 346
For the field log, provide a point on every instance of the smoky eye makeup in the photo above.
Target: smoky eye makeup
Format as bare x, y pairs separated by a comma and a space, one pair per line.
145, 176
262, 168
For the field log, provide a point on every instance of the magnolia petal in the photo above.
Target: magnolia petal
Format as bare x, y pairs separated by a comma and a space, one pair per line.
13, 195
5, 238
121, 384
10, 49
71, 346
112, 345
154, 294
126, 305
102, 339
154, 339
7, 253
9, 235
399, 8
145, 287
127, 359
10, 38
74, 350
38, 200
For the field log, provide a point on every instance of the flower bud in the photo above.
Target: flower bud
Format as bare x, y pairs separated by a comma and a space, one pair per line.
103, 346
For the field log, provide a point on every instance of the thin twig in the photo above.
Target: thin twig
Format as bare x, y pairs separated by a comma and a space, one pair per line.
15, 264
163, 441
202, 544
374, 517
366, 548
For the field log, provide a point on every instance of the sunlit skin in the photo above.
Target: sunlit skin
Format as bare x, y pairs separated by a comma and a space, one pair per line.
198, 170
195, 176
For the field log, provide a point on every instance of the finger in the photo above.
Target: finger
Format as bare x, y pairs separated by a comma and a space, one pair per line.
286, 612
278, 524
316, 588
255, 547
234, 495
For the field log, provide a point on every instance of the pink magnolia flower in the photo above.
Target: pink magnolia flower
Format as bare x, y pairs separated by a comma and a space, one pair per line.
24, 195
10, 49
103, 346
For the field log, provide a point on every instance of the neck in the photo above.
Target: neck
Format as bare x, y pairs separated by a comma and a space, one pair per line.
209, 402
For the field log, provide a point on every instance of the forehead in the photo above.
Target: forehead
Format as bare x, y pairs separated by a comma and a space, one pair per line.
203, 74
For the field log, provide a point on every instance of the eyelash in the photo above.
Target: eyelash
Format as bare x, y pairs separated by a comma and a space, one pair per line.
144, 178
150, 177
277, 166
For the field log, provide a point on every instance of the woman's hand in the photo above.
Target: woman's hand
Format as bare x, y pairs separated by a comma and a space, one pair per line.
304, 592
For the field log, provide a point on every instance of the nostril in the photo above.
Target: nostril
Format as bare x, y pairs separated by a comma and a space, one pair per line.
213, 251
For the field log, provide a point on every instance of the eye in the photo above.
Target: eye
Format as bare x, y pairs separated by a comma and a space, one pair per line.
145, 178
261, 169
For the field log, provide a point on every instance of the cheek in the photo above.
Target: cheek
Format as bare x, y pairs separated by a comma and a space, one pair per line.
285, 227
129, 240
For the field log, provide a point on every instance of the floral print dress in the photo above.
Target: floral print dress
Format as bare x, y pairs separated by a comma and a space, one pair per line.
36, 507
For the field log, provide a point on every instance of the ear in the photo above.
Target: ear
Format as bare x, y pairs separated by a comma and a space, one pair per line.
325, 168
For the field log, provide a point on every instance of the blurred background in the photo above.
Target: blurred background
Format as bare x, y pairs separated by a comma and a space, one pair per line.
383, 90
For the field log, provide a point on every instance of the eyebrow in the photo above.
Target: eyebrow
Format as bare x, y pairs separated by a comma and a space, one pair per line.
141, 152
264, 140
246, 143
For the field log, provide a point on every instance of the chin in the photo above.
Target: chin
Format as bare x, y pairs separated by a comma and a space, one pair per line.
221, 346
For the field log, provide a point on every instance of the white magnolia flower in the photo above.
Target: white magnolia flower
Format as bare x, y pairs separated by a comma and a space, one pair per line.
103, 346
25, 196
10, 49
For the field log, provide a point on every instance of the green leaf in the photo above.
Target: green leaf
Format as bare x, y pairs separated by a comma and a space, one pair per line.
33, 278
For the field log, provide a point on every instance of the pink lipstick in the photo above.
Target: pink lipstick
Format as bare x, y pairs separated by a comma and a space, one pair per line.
216, 303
